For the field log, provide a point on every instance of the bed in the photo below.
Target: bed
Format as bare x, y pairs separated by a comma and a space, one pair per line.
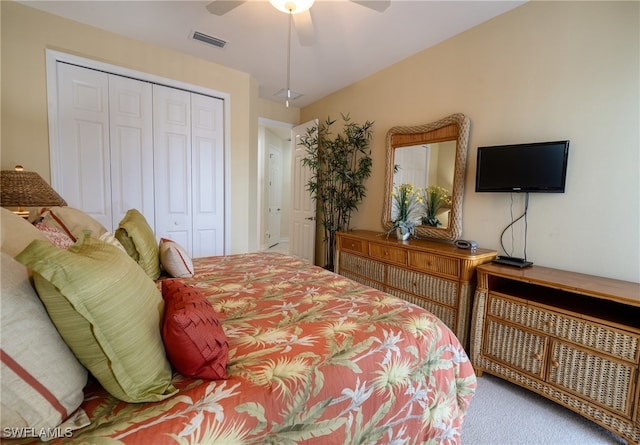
313, 358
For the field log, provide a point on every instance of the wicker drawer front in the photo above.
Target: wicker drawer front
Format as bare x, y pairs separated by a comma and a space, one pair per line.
354, 245
396, 255
605, 382
447, 315
362, 280
515, 347
434, 288
435, 264
361, 266
599, 337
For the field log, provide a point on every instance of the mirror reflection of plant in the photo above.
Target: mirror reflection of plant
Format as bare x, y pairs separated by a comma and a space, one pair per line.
339, 166
434, 198
406, 207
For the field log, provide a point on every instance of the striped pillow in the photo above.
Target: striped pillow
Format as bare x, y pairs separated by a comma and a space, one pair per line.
108, 312
42, 380
174, 259
71, 221
137, 237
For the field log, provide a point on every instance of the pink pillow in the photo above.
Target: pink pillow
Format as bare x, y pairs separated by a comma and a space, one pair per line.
57, 237
195, 342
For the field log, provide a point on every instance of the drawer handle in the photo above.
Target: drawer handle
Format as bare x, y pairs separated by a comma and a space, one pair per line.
537, 356
353, 245
549, 323
555, 363
415, 284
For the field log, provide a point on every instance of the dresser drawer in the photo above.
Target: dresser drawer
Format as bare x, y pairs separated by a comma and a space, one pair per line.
434, 288
391, 254
362, 280
608, 340
354, 245
429, 262
446, 314
362, 266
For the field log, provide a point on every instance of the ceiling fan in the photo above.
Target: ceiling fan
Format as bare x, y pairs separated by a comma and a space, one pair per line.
298, 8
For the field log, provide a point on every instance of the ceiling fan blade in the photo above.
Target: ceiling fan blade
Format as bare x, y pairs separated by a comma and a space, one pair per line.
377, 5
221, 7
304, 28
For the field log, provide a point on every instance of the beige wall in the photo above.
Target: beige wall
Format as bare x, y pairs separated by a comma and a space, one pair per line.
26, 33
544, 71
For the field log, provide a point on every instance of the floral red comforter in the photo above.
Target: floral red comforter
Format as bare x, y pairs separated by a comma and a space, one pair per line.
314, 358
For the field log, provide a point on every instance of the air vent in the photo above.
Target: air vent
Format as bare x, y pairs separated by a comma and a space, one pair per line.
208, 39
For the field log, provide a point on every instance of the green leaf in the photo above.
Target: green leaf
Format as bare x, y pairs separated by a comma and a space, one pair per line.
253, 409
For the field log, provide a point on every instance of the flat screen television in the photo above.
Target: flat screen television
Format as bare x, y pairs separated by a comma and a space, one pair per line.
535, 167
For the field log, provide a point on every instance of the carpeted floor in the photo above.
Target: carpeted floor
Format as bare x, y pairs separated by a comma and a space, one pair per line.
502, 413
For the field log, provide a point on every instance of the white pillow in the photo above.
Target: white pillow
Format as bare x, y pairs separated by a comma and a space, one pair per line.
71, 221
174, 259
17, 232
42, 380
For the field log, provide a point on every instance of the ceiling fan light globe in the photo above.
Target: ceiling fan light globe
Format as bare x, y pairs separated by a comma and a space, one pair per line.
292, 6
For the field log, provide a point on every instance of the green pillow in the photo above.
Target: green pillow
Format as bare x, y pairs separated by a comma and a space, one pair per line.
138, 239
108, 312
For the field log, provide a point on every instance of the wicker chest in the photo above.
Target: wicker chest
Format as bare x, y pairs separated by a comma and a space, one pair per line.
432, 274
570, 337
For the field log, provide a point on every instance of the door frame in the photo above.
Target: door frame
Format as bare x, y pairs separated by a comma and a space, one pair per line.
53, 57
263, 154
274, 238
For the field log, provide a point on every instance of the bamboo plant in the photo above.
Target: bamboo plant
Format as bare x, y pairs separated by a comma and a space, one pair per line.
339, 165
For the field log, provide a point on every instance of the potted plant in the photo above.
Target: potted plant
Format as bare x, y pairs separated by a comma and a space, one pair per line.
406, 210
434, 198
339, 165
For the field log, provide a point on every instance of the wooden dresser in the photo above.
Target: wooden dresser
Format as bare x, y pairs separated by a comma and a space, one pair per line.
570, 337
435, 275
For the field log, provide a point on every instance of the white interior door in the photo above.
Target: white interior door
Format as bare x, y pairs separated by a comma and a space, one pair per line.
414, 165
172, 164
207, 134
103, 133
131, 130
81, 164
302, 232
274, 195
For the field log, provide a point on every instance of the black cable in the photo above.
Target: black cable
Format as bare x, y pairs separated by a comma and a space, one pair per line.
524, 215
526, 208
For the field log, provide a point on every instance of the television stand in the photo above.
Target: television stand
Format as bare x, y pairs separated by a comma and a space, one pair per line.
512, 261
571, 337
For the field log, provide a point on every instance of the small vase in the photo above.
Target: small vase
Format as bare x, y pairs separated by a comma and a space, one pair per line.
402, 234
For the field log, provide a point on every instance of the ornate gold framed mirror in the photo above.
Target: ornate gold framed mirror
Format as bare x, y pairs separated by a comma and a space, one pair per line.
430, 157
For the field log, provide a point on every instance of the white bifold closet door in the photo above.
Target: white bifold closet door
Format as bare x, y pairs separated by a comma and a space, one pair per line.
188, 165
124, 143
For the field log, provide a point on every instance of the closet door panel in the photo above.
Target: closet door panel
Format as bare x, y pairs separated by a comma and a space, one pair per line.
131, 127
172, 164
208, 175
82, 174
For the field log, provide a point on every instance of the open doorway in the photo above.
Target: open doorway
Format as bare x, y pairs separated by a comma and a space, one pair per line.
274, 184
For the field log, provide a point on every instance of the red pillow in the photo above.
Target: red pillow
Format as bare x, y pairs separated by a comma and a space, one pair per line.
195, 342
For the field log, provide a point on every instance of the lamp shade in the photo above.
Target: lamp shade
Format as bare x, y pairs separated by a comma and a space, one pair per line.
20, 188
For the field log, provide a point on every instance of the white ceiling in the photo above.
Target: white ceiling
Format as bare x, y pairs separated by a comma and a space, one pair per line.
351, 41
